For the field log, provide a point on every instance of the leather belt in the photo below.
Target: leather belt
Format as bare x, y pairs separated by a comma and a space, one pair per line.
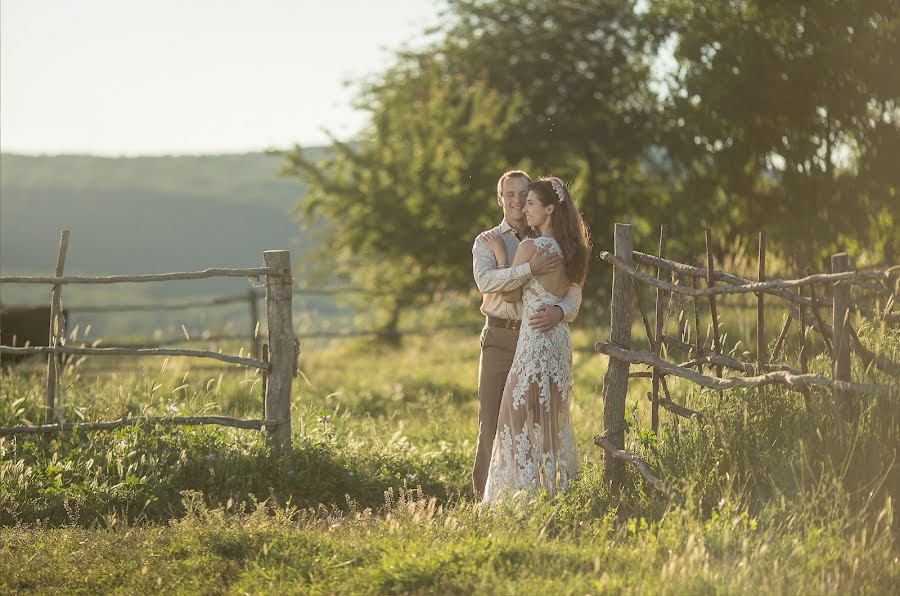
505, 323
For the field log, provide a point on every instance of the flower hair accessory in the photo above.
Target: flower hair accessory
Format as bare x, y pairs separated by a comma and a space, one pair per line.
559, 188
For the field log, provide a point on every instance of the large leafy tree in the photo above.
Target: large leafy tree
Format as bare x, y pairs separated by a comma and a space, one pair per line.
552, 87
406, 200
587, 112
785, 115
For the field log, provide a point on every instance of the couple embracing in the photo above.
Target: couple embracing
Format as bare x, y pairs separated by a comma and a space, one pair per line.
530, 270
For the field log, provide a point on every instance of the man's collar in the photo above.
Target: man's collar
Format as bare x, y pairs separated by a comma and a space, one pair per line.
505, 227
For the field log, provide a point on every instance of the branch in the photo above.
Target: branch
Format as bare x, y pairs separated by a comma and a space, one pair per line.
772, 378
640, 464
860, 278
112, 279
748, 288
265, 366
709, 356
675, 408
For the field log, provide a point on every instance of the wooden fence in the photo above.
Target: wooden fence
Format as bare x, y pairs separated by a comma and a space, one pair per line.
278, 365
838, 338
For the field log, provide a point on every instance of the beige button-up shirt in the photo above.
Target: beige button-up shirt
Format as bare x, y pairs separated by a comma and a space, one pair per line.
493, 281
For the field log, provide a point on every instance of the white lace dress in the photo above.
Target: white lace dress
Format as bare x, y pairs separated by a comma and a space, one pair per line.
534, 449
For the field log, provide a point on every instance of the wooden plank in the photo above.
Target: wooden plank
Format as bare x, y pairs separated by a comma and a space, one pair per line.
57, 331
282, 346
615, 383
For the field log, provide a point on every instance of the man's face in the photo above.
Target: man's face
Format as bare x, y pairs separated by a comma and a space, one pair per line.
515, 190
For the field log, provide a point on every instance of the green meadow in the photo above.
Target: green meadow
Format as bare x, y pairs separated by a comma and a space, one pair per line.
375, 496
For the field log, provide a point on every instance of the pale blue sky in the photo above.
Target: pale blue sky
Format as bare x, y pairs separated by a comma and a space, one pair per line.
127, 77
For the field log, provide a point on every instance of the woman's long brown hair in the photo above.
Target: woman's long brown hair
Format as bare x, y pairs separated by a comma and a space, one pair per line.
568, 227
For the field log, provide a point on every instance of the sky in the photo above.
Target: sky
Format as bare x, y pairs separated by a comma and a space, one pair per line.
138, 77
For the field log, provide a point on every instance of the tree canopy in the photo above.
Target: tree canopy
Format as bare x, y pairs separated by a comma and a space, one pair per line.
774, 113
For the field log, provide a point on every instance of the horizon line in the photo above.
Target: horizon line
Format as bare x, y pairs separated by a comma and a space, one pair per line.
137, 155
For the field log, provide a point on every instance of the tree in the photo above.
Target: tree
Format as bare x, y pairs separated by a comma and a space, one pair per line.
406, 202
785, 116
508, 83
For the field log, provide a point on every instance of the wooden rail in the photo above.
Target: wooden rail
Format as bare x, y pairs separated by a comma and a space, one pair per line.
60, 349
279, 366
840, 338
113, 424
150, 277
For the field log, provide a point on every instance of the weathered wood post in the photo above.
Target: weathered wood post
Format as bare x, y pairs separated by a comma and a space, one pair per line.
660, 317
282, 346
615, 384
840, 341
57, 330
265, 378
717, 342
761, 358
254, 322
698, 340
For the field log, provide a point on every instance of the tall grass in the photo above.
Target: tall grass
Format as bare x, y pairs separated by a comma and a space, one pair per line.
375, 495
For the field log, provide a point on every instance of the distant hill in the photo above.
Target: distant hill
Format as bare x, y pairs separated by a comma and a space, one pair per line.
144, 215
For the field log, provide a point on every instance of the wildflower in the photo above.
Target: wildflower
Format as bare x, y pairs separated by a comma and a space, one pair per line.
410, 477
40, 484
172, 409
324, 419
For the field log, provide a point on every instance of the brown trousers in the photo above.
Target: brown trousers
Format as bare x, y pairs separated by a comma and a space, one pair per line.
498, 346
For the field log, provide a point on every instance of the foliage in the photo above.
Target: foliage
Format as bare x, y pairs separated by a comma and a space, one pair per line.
780, 112
563, 88
406, 204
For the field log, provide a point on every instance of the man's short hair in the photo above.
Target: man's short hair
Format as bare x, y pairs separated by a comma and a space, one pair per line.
508, 175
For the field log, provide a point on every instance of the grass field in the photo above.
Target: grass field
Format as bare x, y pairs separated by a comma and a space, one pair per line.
375, 495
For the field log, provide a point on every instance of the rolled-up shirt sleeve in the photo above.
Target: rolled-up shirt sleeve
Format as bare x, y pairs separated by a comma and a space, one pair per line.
491, 279
571, 303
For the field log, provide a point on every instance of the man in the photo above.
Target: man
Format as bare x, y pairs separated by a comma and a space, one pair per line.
502, 319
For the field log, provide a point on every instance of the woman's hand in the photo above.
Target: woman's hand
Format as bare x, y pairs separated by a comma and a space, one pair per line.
496, 244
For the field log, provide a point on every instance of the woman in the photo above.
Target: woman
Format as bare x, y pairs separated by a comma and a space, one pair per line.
534, 449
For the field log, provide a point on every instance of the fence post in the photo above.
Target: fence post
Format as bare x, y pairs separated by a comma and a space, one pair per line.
660, 316
57, 330
254, 322
717, 342
761, 358
282, 345
840, 358
615, 384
